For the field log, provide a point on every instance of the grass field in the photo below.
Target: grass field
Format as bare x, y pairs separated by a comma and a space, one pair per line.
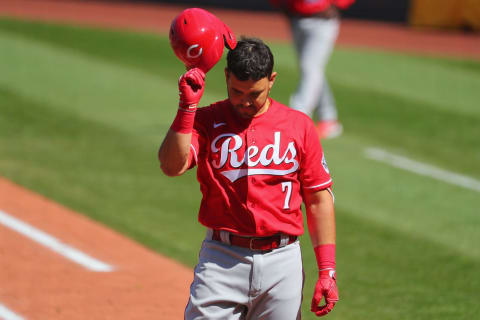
83, 111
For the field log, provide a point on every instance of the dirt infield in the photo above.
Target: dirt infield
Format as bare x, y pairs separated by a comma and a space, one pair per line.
157, 18
38, 283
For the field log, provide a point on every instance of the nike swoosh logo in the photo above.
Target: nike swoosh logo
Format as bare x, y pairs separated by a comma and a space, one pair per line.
216, 125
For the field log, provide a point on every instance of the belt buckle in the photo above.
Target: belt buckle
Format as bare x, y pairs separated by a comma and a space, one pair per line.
250, 243
259, 249
252, 239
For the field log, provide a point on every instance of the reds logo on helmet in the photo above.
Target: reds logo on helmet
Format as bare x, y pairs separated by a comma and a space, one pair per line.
198, 37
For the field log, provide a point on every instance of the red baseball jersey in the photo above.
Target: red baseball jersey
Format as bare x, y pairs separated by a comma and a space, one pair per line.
253, 172
310, 7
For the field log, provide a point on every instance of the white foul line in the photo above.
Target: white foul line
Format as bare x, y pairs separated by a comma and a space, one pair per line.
423, 169
7, 314
54, 244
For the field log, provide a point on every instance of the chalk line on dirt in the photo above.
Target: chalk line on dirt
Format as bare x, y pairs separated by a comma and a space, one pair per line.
7, 314
54, 244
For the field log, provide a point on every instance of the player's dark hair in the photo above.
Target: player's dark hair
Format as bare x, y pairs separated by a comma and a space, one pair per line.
250, 60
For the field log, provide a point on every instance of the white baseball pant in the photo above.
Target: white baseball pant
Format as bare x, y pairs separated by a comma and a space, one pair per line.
232, 283
314, 39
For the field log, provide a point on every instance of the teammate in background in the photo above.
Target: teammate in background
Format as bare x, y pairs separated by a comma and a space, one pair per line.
315, 25
256, 161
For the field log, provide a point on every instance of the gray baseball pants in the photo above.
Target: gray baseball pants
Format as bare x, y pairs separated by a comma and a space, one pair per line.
314, 42
237, 283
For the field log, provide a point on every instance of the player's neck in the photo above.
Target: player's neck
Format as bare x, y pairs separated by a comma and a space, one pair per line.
264, 108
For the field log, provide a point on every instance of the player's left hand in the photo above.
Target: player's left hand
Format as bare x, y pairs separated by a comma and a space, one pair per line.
326, 287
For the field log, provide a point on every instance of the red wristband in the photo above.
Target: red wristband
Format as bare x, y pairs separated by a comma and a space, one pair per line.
184, 120
325, 254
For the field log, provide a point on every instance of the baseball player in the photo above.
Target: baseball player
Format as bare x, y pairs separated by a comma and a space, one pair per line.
257, 160
315, 26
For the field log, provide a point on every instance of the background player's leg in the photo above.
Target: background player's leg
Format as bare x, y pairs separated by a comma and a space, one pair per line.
314, 41
328, 125
327, 110
303, 99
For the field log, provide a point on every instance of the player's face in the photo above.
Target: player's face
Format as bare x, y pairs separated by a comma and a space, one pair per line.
249, 98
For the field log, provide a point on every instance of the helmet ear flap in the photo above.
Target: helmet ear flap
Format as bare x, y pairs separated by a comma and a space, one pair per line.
229, 38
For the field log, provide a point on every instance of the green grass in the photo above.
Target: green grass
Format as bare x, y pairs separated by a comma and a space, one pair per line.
83, 111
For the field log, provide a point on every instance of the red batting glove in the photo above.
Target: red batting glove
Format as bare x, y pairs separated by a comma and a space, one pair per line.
326, 287
190, 89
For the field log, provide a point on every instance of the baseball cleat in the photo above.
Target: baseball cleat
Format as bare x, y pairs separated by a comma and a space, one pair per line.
329, 129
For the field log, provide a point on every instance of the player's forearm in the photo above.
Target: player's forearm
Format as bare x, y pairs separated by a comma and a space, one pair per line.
321, 218
174, 153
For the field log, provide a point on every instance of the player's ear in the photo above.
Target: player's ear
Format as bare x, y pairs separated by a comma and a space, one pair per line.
273, 76
227, 73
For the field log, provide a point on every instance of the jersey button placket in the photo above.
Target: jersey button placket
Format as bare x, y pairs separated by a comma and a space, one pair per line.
251, 136
251, 141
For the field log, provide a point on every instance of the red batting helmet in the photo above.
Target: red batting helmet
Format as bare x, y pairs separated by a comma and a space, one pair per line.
197, 37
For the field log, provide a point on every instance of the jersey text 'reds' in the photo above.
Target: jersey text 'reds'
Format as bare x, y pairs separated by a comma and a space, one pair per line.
233, 142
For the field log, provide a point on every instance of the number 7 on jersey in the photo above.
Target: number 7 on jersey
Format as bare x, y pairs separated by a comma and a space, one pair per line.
287, 186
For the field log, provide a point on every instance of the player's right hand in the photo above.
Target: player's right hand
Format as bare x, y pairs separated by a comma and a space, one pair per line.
326, 287
190, 89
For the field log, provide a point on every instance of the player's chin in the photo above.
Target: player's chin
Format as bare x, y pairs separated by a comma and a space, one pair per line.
246, 112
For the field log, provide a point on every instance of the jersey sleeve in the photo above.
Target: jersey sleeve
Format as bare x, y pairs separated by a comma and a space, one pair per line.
307, 8
314, 173
343, 4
